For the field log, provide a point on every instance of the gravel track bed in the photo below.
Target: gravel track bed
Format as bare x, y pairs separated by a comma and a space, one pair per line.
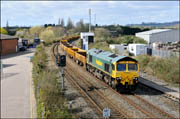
94, 94
80, 107
158, 99
154, 97
134, 113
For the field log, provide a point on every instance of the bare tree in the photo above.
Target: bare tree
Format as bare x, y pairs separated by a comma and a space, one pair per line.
70, 24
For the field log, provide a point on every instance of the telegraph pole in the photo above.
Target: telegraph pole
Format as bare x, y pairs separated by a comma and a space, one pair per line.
89, 20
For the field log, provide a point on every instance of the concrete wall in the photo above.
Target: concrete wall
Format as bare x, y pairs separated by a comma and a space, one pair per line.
8, 46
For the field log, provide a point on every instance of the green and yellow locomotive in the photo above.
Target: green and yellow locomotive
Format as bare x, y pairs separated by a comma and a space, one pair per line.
117, 71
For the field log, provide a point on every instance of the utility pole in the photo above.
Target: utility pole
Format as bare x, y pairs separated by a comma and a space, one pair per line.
7, 26
89, 20
95, 18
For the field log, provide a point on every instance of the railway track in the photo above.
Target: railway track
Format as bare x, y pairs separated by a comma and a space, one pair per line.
98, 100
141, 104
134, 100
147, 108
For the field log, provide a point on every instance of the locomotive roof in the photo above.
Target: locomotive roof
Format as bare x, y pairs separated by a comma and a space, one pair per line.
106, 55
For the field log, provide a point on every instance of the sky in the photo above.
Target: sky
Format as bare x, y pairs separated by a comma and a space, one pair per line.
32, 13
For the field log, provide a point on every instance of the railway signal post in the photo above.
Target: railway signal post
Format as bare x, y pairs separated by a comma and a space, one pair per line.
61, 62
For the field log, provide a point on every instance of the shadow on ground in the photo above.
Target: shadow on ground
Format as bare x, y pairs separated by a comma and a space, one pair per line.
7, 75
17, 54
8, 65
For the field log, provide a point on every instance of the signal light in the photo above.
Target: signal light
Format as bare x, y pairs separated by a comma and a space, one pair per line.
61, 60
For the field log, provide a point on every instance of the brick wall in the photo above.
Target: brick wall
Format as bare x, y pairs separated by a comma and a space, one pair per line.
8, 46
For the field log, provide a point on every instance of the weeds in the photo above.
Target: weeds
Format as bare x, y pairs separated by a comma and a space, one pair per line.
50, 101
166, 69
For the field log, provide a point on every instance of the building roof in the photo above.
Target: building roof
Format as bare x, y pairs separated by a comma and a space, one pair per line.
4, 37
87, 33
106, 55
152, 31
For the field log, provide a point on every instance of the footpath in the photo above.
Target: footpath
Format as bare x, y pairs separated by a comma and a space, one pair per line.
16, 90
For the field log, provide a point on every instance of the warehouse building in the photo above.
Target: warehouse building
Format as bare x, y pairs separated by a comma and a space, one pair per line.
159, 35
8, 44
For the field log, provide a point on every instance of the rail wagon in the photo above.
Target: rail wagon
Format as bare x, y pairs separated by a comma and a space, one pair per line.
80, 57
71, 51
66, 47
117, 71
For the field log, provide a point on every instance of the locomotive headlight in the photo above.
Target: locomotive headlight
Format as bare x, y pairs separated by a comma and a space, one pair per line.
136, 78
119, 78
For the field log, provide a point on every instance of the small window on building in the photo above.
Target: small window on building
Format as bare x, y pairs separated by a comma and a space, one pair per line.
90, 58
132, 48
106, 67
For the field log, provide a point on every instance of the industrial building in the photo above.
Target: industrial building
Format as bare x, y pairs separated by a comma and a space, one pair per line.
159, 35
8, 44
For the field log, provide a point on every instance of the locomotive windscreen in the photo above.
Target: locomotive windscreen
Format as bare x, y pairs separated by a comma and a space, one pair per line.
127, 59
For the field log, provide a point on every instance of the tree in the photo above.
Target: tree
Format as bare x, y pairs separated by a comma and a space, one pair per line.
23, 33
62, 22
70, 24
3, 31
59, 31
59, 21
47, 35
80, 26
35, 31
101, 32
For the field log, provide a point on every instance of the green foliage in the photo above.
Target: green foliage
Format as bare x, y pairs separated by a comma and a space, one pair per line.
23, 33
3, 31
35, 31
58, 31
80, 27
101, 32
124, 30
50, 101
100, 45
166, 69
127, 39
47, 35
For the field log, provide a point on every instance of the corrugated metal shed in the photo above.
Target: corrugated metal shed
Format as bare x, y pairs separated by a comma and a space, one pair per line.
159, 35
153, 31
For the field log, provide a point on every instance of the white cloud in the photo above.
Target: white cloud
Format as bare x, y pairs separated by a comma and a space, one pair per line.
119, 12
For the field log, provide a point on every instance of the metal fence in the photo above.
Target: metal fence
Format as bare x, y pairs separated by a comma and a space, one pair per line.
164, 53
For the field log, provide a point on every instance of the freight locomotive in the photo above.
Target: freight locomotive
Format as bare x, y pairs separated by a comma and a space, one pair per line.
120, 72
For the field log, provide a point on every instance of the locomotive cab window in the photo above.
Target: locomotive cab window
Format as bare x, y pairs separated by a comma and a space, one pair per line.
121, 67
132, 67
106, 67
112, 66
90, 58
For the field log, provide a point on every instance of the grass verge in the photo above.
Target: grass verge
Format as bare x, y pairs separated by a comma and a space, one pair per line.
50, 101
163, 68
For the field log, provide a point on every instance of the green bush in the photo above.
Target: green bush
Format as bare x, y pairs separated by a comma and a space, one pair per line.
126, 39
